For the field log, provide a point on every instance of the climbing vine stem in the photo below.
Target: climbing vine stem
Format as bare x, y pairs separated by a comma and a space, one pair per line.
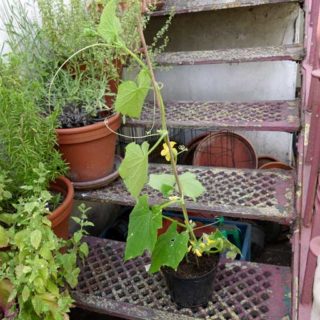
161, 106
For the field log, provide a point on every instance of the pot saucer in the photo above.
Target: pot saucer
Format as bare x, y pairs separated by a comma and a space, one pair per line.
101, 182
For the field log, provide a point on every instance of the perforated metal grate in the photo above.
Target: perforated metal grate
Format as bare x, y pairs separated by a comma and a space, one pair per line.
243, 291
252, 194
269, 115
287, 52
185, 6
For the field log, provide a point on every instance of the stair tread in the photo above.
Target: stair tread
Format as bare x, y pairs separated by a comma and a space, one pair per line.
241, 193
262, 115
189, 6
271, 53
109, 286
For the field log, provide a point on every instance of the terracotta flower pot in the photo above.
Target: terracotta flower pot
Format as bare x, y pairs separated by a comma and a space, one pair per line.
264, 159
89, 150
276, 165
60, 217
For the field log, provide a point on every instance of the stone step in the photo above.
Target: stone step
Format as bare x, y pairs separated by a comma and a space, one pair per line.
292, 52
258, 116
239, 193
242, 290
190, 6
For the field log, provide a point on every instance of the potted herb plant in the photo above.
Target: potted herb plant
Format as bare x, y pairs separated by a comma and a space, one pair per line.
28, 144
37, 268
38, 261
187, 262
84, 89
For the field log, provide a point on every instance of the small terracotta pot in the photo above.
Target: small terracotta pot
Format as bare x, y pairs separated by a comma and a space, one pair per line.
113, 84
60, 217
89, 150
264, 159
276, 165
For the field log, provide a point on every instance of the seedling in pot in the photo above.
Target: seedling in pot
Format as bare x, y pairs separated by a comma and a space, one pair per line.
172, 248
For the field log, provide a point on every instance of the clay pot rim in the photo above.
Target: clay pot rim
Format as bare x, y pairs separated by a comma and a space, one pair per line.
66, 201
91, 127
245, 140
274, 165
265, 156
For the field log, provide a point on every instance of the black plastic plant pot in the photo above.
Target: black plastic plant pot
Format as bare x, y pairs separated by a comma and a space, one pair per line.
190, 292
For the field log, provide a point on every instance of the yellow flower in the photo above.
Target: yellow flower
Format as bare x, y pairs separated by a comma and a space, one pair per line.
174, 198
209, 242
165, 151
197, 252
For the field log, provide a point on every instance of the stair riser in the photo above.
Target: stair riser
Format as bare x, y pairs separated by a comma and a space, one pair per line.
230, 82
271, 25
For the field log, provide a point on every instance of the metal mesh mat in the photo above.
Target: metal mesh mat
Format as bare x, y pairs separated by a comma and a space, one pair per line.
185, 6
241, 291
288, 52
251, 194
269, 115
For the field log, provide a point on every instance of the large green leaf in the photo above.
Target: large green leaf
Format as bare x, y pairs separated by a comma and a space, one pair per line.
191, 186
170, 249
143, 228
162, 182
131, 95
110, 26
4, 237
6, 288
8, 218
35, 238
134, 168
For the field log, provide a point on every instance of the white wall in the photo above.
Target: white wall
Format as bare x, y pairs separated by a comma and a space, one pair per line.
272, 25
29, 6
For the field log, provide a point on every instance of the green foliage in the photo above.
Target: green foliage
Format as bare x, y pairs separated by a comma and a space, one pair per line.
4, 194
162, 182
143, 227
134, 167
27, 137
191, 186
170, 249
4, 238
38, 267
110, 26
132, 94
215, 242
166, 183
